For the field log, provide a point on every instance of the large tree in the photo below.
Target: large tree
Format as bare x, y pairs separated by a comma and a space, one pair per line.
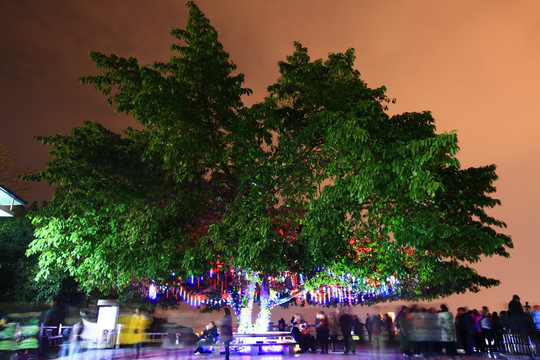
315, 187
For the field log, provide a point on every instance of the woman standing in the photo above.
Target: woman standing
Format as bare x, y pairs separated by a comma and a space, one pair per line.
226, 331
446, 323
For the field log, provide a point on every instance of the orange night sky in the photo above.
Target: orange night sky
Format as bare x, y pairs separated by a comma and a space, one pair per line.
474, 64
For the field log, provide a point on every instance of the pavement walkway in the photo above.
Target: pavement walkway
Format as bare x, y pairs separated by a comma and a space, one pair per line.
362, 353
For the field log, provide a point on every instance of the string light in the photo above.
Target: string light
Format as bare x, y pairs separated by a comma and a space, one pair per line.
229, 292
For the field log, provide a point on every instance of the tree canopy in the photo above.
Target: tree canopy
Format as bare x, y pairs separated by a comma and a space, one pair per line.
316, 180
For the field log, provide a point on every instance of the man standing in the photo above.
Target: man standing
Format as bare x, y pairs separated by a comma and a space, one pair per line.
346, 326
403, 326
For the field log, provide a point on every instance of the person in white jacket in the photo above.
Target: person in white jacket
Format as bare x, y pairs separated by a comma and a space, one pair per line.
445, 320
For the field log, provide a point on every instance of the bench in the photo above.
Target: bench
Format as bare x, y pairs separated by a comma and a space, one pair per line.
266, 347
270, 342
519, 344
51, 334
213, 349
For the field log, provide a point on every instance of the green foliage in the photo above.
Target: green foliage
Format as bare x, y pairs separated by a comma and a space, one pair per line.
15, 235
18, 271
316, 176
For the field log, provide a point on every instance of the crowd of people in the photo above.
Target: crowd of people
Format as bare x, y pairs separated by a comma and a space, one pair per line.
421, 331
341, 328
418, 331
477, 332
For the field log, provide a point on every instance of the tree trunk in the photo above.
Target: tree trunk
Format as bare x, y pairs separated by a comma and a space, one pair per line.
261, 326
244, 324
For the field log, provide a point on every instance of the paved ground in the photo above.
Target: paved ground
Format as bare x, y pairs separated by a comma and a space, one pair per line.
362, 353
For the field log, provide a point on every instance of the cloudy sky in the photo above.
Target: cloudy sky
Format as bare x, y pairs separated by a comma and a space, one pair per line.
473, 64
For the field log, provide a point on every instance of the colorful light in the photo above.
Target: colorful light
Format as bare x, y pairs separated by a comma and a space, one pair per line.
152, 292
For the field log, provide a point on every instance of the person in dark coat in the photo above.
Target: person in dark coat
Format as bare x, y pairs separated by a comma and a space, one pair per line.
389, 326
403, 325
358, 329
208, 337
464, 328
514, 306
297, 335
306, 342
516, 314
323, 332
498, 330
346, 326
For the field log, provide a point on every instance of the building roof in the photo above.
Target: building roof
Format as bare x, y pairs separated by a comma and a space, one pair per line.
8, 200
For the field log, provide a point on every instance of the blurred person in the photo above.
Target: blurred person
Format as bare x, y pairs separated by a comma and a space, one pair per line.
432, 332
87, 338
171, 343
476, 330
464, 325
419, 332
369, 327
346, 327
323, 331
389, 326
334, 329
53, 318
505, 321
486, 324
413, 334
377, 342
318, 317
445, 321
403, 327
178, 338
139, 324
358, 329
71, 347
226, 335
55, 315
498, 330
